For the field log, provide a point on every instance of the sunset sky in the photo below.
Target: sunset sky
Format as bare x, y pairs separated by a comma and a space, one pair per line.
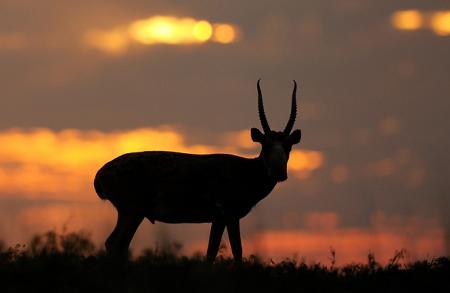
82, 82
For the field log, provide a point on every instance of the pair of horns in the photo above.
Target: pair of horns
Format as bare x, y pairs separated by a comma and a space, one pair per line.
262, 115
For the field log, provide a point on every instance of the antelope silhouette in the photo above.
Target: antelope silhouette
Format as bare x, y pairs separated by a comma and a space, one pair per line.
173, 187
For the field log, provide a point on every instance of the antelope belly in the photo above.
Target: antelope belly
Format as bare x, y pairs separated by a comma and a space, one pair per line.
181, 214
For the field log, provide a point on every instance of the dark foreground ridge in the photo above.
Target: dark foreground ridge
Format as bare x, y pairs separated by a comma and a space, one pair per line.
70, 263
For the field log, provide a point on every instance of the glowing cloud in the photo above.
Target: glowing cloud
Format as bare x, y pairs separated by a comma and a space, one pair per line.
168, 30
225, 33
407, 20
421, 237
411, 20
351, 245
42, 163
114, 41
440, 23
302, 163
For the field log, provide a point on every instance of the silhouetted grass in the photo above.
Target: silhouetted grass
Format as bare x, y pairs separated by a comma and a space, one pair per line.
70, 263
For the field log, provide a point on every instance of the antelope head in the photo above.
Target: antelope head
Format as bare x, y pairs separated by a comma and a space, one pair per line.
276, 145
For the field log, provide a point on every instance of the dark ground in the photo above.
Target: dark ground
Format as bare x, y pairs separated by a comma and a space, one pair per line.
70, 263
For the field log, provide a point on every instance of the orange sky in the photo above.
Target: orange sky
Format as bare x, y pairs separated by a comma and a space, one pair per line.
83, 83
421, 238
44, 164
41, 164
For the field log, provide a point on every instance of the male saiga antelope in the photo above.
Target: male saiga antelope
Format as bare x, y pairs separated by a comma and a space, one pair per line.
175, 187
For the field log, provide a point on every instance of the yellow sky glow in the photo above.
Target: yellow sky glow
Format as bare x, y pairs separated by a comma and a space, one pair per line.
410, 20
440, 23
407, 20
225, 33
113, 42
168, 30
61, 164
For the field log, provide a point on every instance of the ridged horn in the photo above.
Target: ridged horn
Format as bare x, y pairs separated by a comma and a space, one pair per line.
291, 121
262, 115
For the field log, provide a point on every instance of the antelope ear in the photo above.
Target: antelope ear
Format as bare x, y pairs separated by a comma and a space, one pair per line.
257, 136
295, 136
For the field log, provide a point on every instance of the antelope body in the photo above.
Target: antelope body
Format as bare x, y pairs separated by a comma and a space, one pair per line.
173, 187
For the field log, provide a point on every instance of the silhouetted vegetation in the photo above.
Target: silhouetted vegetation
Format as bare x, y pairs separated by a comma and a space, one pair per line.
70, 263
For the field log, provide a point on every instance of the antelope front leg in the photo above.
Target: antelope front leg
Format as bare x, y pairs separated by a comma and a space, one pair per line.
234, 234
217, 228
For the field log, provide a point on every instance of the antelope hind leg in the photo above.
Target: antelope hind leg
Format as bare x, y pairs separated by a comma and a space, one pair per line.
118, 242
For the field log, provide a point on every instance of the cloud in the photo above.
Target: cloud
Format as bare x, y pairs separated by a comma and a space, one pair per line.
351, 245
421, 237
410, 20
160, 29
42, 163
